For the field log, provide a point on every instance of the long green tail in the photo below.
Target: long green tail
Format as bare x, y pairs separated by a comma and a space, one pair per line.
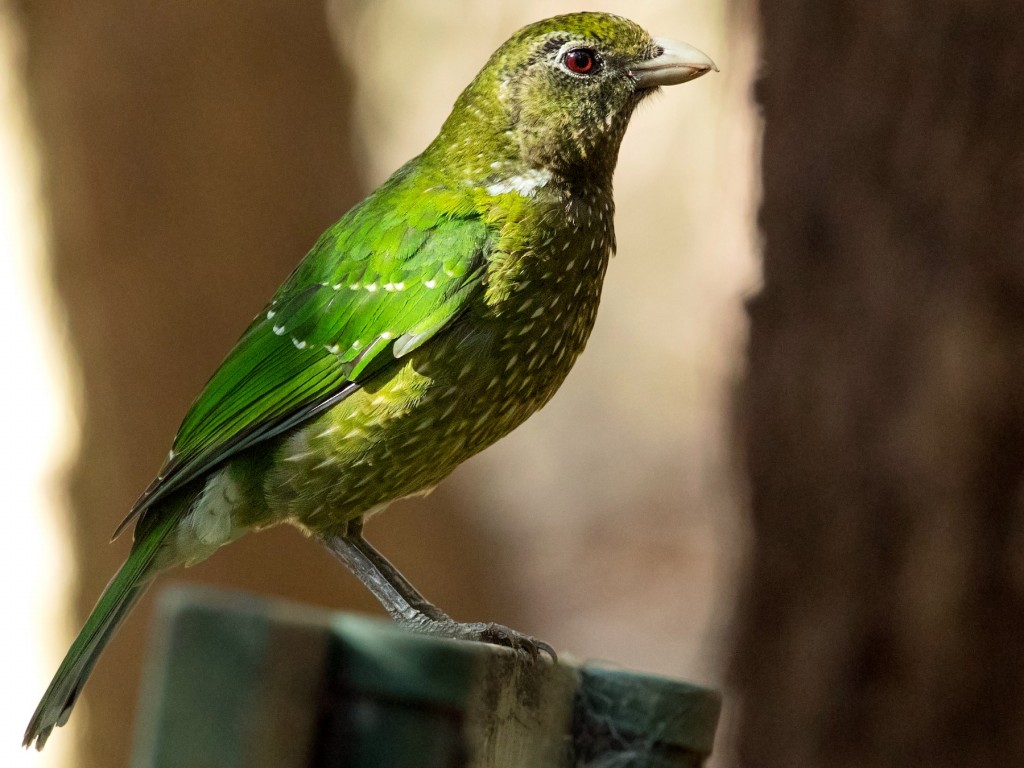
114, 604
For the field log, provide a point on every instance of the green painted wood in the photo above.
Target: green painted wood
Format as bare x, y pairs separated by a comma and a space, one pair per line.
237, 681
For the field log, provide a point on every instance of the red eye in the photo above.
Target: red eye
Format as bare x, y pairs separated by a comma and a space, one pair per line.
582, 61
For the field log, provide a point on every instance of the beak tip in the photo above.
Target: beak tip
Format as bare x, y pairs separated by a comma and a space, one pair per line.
675, 63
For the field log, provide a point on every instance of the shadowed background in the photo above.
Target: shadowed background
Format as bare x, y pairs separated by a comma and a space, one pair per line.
189, 154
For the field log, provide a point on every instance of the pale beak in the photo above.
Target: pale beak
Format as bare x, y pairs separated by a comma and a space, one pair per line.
677, 63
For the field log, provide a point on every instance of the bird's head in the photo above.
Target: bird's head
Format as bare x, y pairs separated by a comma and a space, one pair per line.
557, 97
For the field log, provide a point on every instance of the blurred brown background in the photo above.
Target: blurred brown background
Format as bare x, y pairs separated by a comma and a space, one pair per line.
190, 153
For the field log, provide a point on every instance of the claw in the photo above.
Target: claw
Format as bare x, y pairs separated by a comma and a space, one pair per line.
498, 634
495, 634
546, 649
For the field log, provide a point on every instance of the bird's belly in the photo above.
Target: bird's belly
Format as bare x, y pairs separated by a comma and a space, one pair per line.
412, 425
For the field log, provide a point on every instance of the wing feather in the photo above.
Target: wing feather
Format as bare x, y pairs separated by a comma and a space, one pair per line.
375, 286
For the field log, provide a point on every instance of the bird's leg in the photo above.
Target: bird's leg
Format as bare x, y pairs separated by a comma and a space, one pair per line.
396, 594
409, 608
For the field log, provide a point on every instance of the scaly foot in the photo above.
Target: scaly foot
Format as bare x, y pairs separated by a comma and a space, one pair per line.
482, 632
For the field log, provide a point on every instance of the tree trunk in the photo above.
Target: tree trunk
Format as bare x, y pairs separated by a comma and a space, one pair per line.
882, 621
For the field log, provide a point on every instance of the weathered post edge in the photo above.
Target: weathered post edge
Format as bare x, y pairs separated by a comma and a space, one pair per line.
237, 681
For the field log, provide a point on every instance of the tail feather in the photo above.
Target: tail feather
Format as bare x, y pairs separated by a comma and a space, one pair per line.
55, 707
114, 604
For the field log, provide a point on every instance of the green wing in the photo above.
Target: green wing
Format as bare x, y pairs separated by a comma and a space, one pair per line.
377, 285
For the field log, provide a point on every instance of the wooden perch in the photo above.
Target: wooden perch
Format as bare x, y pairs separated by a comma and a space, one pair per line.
241, 682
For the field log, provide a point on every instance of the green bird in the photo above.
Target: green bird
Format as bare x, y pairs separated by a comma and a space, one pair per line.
430, 321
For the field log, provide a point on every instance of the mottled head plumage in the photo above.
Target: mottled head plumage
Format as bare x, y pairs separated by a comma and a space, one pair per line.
556, 96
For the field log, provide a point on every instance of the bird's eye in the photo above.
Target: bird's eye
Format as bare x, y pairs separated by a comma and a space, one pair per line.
580, 61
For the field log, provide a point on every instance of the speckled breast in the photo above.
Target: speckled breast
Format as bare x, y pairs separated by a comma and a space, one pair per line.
496, 365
